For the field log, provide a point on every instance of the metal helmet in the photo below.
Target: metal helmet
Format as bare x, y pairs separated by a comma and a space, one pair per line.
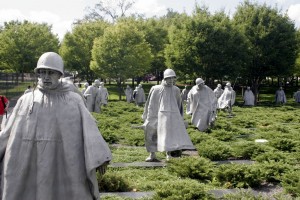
199, 81
219, 85
97, 82
86, 84
228, 84
169, 73
50, 60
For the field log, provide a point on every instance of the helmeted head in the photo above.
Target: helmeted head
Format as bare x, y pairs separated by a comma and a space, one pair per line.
200, 82
248, 87
49, 69
228, 84
140, 86
169, 77
101, 84
96, 83
128, 86
50, 60
86, 84
169, 73
219, 86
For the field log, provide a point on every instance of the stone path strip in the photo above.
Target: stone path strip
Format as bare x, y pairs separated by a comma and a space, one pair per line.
134, 195
163, 163
138, 164
218, 193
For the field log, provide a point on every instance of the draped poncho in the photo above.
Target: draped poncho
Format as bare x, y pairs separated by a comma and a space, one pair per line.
227, 98
202, 104
50, 148
163, 112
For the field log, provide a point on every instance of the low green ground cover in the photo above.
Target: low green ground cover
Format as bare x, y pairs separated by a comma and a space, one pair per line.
276, 162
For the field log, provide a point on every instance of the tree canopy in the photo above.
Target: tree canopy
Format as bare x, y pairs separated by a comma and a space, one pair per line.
22, 43
122, 52
272, 40
76, 47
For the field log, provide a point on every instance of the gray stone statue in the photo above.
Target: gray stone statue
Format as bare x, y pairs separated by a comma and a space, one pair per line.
184, 93
280, 97
51, 147
218, 91
202, 105
128, 94
93, 98
297, 96
103, 94
248, 97
164, 126
139, 95
227, 99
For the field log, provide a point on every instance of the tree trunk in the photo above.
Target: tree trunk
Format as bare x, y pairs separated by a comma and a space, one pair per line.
255, 90
132, 84
119, 83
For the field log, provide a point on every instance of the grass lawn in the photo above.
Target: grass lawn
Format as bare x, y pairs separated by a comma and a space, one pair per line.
277, 162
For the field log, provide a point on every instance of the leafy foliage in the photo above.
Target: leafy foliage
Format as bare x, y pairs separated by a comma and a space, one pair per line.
122, 52
77, 45
181, 190
22, 43
291, 182
194, 168
214, 150
112, 182
239, 176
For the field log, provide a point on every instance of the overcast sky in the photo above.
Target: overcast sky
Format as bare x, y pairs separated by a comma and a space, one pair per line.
61, 13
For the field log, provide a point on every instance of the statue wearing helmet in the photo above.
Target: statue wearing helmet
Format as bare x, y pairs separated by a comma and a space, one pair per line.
202, 105
49, 140
50, 60
163, 119
218, 91
227, 99
93, 98
103, 94
169, 73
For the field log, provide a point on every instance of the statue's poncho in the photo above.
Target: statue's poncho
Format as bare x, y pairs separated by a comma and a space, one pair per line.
297, 96
93, 98
163, 112
202, 104
50, 148
248, 98
280, 96
128, 93
184, 94
227, 99
139, 96
103, 95
218, 92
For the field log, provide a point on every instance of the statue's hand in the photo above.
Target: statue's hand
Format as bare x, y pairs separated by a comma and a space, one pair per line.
102, 169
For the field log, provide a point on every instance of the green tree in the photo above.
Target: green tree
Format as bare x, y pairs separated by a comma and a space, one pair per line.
207, 45
272, 39
121, 53
22, 43
76, 47
157, 36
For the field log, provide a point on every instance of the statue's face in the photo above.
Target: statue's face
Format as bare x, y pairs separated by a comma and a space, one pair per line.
48, 79
201, 85
170, 81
